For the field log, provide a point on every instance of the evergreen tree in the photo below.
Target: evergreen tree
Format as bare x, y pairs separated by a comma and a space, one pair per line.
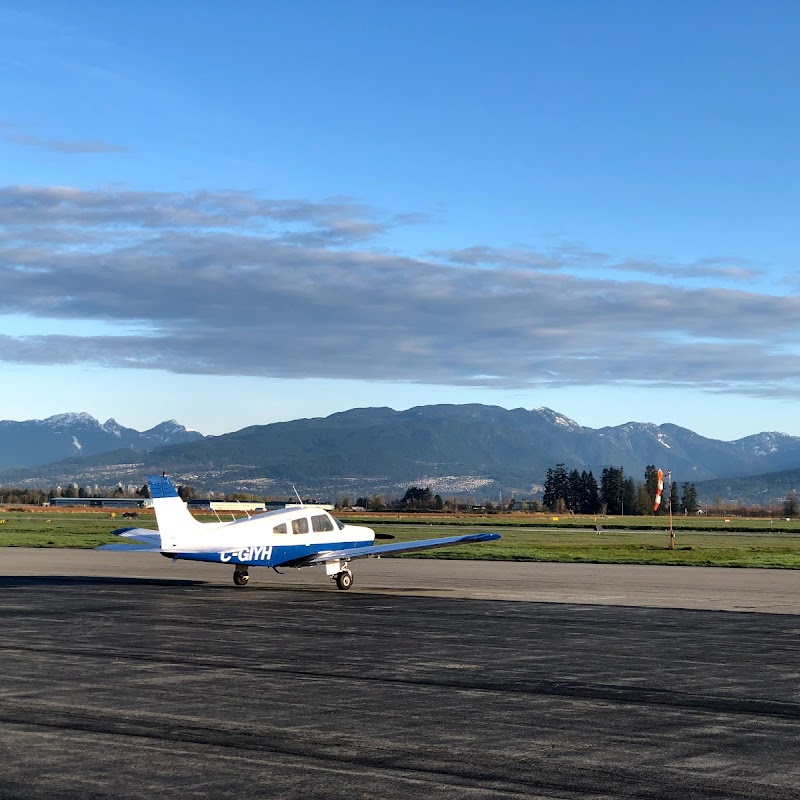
644, 500
689, 503
584, 497
417, 497
629, 497
591, 493
611, 489
674, 500
549, 493
574, 494
556, 488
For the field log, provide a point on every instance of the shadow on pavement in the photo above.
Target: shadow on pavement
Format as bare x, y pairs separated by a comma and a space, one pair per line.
22, 581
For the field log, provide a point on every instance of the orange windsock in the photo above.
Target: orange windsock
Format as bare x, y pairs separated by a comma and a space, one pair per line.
659, 490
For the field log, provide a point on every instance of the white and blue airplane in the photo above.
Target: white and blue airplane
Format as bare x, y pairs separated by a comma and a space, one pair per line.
301, 536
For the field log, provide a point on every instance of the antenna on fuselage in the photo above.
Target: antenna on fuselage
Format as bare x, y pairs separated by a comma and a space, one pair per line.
298, 495
244, 509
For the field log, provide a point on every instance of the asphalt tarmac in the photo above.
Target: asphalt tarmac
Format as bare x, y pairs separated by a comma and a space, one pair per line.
135, 679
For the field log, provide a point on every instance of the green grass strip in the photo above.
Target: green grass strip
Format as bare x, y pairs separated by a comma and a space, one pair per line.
749, 546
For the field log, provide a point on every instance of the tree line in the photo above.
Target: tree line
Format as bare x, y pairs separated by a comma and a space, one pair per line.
564, 492
580, 493
11, 495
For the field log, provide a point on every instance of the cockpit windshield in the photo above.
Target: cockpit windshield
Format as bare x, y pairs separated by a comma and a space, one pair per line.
339, 523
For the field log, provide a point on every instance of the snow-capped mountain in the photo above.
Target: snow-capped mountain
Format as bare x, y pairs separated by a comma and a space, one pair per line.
474, 448
41, 441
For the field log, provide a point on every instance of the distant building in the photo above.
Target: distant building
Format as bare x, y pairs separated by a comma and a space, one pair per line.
227, 505
264, 505
103, 502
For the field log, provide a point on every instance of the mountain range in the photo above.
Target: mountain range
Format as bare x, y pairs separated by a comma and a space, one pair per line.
473, 450
40, 441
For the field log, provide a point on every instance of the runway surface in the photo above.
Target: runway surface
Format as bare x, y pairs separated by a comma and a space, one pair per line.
171, 683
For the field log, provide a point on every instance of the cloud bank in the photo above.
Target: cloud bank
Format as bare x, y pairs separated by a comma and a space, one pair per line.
230, 283
12, 134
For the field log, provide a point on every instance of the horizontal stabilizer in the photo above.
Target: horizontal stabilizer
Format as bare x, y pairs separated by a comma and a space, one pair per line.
135, 533
141, 548
146, 540
386, 549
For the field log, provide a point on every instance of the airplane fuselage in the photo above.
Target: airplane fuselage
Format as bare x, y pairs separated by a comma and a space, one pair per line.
302, 536
270, 539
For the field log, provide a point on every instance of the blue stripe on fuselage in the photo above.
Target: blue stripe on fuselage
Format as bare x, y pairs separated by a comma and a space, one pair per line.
262, 555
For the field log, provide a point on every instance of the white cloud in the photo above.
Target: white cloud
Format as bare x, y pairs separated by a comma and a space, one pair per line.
229, 283
71, 146
11, 133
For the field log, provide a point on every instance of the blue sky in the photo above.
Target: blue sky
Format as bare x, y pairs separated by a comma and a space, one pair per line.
238, 213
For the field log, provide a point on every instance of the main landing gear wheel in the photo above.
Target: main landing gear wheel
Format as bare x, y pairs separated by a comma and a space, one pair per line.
240, 577
344, 580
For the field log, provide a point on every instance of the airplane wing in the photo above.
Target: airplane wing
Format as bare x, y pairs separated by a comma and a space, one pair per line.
147, 541
349, 553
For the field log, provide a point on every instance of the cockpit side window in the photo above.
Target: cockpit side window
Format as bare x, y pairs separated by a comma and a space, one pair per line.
280, 528
321, 523
300, 525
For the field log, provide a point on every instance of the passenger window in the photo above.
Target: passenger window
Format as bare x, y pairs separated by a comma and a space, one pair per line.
321, 523
280, 528
300, 525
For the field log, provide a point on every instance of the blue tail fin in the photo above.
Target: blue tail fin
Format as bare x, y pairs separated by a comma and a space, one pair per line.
175, 524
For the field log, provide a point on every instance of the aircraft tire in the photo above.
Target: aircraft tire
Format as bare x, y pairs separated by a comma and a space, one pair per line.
240, 578
344, 580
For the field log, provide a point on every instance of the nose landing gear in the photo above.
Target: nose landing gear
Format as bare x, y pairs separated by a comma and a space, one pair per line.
344, 579
339, 573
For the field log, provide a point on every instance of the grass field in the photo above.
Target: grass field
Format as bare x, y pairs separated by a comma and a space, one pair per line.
621, 547
706, 542
568, 522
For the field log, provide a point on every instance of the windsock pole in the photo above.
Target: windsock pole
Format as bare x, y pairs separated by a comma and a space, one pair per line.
671, 529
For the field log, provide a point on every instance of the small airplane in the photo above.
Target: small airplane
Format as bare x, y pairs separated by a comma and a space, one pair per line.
301, 536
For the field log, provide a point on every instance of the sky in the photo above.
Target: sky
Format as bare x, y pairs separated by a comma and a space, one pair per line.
239, 213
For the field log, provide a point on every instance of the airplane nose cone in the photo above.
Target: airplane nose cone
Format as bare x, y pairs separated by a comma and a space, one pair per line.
359, 531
